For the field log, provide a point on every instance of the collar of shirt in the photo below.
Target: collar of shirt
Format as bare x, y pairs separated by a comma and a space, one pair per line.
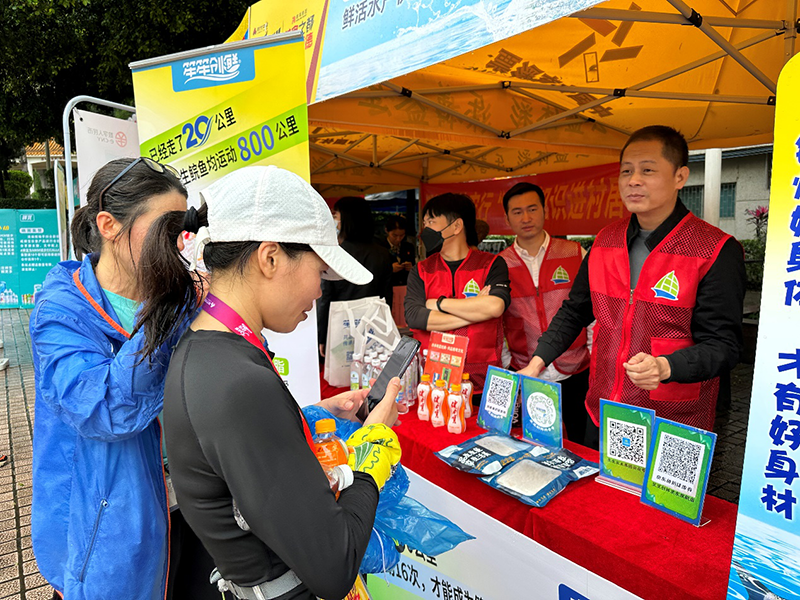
533, 262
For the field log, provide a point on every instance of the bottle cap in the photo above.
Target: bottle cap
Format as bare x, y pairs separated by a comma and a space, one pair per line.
356, 356
465, 377
325, 426
440, 383
456, 388
425, 352
426, 377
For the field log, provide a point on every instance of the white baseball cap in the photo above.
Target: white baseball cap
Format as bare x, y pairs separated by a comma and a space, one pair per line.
270, 204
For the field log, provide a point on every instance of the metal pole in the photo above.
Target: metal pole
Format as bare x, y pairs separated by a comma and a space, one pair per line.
68, 149
791, 30
712, 187
62, 248
641, 16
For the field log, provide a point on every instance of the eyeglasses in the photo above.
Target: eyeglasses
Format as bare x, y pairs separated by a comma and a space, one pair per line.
153, 165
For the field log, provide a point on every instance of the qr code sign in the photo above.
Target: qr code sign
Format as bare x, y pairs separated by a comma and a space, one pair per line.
627, 442
498, 397
679, 463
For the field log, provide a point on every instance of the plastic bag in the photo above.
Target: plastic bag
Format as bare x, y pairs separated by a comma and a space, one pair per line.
485, 454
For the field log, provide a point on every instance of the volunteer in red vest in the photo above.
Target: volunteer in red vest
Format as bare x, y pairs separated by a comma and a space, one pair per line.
458, 288
542, 269
666, 289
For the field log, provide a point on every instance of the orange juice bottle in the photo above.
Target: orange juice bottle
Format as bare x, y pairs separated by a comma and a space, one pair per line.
439, 404
331, 453
456, 421
466, 390
424, 398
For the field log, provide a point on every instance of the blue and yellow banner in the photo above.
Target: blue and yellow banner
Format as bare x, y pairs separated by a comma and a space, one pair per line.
766, 550
211, 111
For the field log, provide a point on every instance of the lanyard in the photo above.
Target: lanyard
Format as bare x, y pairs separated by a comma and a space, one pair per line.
76, 278
231, 319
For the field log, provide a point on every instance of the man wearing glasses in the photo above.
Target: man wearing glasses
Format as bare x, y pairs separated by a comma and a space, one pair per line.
458, 288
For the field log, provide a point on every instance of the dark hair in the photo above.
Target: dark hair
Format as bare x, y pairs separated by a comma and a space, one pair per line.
454, 206
356, 218
168, 290
126, 200
393, 222
523, 187
673, 144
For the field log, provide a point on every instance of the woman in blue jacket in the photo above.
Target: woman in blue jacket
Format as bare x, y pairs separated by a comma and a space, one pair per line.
100, 520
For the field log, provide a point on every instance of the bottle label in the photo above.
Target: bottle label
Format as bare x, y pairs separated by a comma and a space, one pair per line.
354, 380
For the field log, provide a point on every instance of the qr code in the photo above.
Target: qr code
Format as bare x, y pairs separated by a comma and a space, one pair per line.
679, 463
498, 396
627, 442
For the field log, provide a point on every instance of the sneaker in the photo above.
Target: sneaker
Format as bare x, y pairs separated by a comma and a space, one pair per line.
3, 364
3, 460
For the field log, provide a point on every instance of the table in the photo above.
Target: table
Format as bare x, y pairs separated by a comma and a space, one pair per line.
605, 530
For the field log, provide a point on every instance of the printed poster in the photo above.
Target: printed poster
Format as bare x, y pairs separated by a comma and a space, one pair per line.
677, 471
498, 400
446, 355
766, 549
625, 435
541, 412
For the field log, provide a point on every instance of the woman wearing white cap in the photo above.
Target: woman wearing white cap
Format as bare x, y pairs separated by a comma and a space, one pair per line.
235, 436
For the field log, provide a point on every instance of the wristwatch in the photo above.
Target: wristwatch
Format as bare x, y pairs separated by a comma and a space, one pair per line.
439, 305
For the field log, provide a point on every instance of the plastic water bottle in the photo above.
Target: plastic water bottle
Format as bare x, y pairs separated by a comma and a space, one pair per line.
366, 374
456, 421
424, 398
332, 453
411, 383
377, 369
356, 372
467, 390
402, 398
439, 404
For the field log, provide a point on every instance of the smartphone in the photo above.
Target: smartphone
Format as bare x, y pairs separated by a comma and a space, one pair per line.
398, 362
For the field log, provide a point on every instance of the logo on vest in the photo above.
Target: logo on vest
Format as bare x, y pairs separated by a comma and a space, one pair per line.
560, 275
472, 289
667, 287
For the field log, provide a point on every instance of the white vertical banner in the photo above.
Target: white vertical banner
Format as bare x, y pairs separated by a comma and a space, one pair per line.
296, 359
98, 140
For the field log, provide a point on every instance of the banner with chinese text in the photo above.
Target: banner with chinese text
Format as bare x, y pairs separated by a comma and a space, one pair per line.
29, 248
766, 550
578, 202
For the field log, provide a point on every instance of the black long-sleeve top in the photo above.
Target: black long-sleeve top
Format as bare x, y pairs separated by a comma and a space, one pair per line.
234, 431
716, 320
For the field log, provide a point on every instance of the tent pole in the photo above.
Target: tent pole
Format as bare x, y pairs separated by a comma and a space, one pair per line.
640, 16
535, 160
375, 151
455, 155
449, 90
415, 157
720, 41
334, 154
563, 115
396, 152
712, 183
791, 30
319, 136
454, 167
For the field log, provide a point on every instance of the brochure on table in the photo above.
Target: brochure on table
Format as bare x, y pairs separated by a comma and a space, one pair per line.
446, 355
677, 471
625, 435
541, 412
498, 400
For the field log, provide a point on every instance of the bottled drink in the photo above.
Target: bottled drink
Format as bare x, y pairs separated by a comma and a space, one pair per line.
331, 453
411, 384
466, 390
376, 368
456, 421
424, 398
402, 402
439, 404
366, 374
356, 372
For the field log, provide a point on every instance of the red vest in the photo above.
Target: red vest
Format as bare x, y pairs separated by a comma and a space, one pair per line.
485, 338
533, 308
654, 318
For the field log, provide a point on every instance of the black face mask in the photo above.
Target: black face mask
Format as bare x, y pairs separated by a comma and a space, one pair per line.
431, 239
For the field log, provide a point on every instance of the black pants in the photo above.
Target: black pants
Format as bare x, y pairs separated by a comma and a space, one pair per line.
573, 405
190, 565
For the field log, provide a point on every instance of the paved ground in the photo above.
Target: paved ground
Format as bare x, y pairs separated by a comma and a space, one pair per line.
19, 577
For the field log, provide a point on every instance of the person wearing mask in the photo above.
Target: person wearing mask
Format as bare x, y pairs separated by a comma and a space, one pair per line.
458, 288
356, 229
666, 289
542, 269
103, 524
241, 454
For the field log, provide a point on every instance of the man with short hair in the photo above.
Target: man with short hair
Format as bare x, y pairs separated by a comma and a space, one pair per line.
666, 288
542, 270
459, 288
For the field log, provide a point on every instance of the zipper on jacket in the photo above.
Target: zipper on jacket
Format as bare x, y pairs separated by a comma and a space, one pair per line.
103, 505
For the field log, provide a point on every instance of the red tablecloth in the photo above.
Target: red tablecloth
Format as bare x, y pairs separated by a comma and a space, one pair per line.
605, 530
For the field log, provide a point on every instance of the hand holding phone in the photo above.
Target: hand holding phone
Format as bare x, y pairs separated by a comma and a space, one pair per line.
398, 363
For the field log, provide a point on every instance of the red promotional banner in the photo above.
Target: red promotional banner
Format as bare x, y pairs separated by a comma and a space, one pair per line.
578, 202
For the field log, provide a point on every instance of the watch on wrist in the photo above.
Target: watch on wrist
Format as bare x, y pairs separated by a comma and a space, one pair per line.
439, 305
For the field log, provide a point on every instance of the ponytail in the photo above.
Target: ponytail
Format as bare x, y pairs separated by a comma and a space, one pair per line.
168, 290
85, 237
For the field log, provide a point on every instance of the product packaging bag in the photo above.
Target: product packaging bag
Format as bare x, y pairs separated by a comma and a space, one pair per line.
356, 326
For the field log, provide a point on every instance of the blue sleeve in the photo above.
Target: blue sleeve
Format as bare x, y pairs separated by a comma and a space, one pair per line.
102, 395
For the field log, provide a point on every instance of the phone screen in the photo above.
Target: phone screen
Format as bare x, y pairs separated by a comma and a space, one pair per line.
396, 366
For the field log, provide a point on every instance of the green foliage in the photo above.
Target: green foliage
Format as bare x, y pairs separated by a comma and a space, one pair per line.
586, 242
754, 262
26, 203
18, 184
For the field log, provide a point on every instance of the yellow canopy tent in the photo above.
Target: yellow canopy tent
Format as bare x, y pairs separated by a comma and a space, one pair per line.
562, 95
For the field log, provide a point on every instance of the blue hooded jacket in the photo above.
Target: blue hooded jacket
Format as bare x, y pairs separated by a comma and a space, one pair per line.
100, 521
